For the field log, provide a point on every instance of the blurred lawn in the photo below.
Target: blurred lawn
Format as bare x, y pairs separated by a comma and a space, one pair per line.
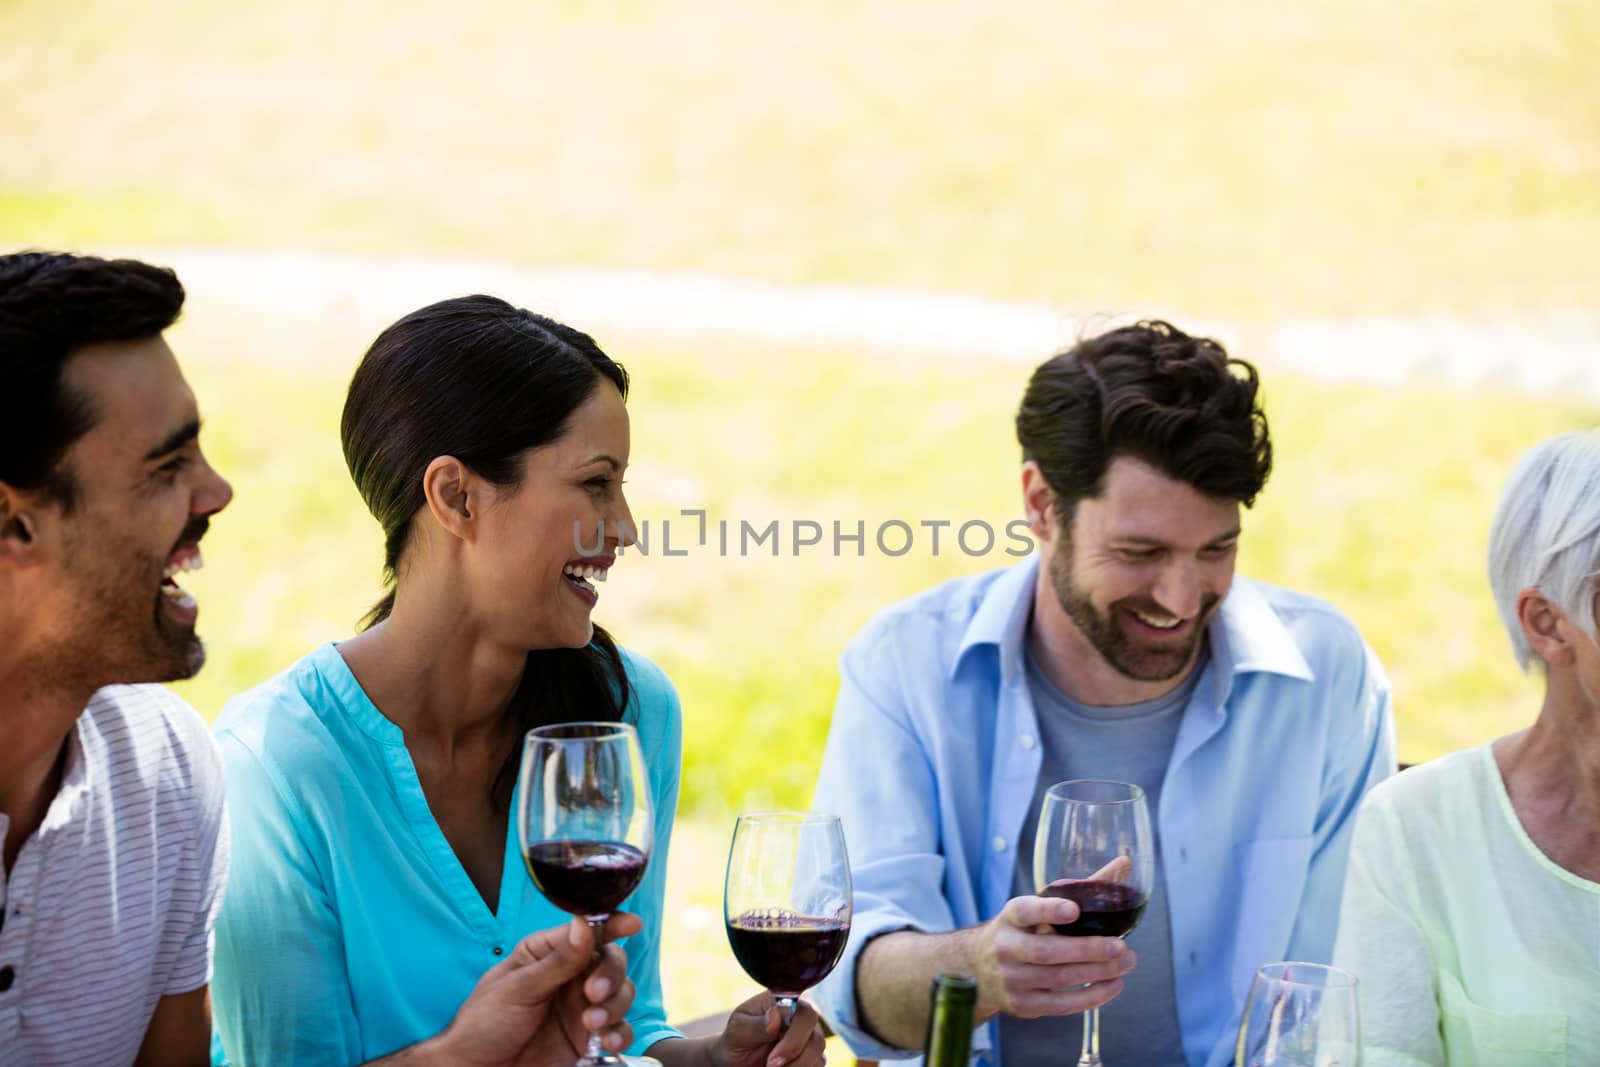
1380, 501
1233, 160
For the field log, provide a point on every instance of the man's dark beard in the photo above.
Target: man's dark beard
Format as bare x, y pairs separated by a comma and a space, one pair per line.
1110, 640
123, 636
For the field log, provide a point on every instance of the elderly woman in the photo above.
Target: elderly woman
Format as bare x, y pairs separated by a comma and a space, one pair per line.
376, 874
1471, 911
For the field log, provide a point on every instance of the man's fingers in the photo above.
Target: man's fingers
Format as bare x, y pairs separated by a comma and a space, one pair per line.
610, 971
1028, 912
1026, 978
1065, 1001
1052, 950
792, 1045
1118, 870
545, 960
614, 1007
621, 924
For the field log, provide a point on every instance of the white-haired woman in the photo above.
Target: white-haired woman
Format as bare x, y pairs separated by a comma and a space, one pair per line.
1472, 907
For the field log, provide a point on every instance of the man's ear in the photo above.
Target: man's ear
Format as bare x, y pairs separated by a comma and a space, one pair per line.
453, 494
20, 519
1039, 503
1546, 628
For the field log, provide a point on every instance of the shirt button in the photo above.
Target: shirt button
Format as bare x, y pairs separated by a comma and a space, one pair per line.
999, 844
498, 951
7, 976
1027, 740
1183, 855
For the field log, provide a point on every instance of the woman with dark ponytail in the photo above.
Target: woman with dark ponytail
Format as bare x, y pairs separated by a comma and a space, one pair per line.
376, 874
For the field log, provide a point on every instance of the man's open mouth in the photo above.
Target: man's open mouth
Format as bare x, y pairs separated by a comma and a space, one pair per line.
187, 558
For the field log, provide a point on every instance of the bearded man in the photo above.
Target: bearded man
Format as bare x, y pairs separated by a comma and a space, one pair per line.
1253, 718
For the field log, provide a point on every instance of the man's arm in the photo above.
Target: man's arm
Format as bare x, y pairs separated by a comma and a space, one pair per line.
1023, 968
179, 1034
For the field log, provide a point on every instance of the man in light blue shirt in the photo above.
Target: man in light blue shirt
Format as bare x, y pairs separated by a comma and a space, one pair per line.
1256, 718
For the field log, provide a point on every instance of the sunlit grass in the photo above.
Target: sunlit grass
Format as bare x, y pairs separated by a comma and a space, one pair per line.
1239, 159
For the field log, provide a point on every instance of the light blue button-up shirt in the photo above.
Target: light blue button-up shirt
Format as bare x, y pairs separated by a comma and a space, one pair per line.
933, 755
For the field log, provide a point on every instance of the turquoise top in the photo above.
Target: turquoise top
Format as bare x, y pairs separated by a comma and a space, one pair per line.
350, 929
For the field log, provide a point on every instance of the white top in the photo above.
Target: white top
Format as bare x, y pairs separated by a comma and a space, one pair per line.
111, 902
1470, 946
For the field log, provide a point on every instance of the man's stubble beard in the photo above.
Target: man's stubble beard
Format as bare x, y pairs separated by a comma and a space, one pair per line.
1109, 639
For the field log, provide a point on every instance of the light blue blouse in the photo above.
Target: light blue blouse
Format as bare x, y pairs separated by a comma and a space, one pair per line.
350, 929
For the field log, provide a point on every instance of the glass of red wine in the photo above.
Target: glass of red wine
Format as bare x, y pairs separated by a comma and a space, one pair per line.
585, 825
787, 900
1095, 848
1300, 1015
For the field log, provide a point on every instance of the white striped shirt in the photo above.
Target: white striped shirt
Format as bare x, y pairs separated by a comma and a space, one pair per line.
111, 903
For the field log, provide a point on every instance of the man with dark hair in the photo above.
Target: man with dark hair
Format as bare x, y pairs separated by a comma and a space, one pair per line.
111, 798
1253, 718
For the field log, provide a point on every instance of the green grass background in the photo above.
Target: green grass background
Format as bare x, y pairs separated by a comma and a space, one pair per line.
1243, 161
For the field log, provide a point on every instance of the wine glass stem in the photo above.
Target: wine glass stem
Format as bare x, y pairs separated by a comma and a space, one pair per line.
786, 1005
1091, 1039
597, 1050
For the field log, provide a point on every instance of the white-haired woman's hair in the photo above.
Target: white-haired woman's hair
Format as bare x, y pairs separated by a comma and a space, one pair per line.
1546, 534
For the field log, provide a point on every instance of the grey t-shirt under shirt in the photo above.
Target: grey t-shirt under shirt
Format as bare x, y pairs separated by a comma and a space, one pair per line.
1132, 743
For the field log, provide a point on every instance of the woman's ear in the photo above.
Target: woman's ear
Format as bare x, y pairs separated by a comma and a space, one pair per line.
451, 491
1546, 628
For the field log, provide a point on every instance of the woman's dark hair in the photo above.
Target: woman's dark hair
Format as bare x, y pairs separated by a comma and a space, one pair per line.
51, 305
483, 381
1149, 391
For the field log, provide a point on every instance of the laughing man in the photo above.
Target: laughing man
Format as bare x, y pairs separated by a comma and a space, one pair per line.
1253, 718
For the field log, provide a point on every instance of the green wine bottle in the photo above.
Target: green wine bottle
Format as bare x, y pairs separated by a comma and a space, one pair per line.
952, 1002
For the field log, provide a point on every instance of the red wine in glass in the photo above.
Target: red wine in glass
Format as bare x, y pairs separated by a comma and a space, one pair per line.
784, 951
1105, 909
580, 877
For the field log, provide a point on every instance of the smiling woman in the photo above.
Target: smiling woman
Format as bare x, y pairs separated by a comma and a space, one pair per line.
371, 784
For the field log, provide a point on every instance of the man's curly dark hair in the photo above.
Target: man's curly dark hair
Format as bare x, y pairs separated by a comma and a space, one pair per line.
51, 305
1152, 392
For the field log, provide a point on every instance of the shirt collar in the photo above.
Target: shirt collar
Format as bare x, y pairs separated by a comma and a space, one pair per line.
1245, 634
72, 795
1002, 618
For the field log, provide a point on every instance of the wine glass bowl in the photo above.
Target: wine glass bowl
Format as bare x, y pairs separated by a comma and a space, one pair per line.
1300, 1015
585, 824
787, 900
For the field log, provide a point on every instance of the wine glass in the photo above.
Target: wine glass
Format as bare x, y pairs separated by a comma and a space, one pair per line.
787, 900
584, 823
1094, 847
1300, 1015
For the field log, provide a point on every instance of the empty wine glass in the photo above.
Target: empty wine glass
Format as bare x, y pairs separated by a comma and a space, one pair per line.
1300, 1015
1094, 847
585, 825
787, 900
